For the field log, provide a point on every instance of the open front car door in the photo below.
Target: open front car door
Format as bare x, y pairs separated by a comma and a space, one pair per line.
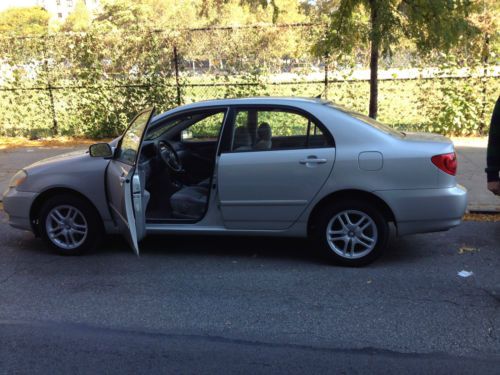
125, 182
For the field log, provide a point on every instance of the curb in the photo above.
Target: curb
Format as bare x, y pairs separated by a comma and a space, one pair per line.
483, 209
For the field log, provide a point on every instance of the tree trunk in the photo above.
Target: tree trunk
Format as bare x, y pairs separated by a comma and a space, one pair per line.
486, 53
374, 54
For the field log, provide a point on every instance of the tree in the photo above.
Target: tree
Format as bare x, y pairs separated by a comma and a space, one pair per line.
255, 6
24, 21
430, 24
122, 14
79, 19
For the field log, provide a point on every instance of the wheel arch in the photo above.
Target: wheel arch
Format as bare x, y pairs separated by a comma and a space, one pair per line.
366, 196
47, 194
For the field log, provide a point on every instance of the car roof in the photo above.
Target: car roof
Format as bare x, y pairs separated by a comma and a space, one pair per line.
274, 100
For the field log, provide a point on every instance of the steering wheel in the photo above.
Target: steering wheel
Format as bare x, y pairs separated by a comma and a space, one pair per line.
170, 156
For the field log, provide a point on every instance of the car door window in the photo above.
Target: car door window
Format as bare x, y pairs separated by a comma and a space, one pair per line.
269, 129
131, 140
317, 138
205, 130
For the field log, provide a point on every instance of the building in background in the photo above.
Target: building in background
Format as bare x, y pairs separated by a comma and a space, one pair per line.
59, 9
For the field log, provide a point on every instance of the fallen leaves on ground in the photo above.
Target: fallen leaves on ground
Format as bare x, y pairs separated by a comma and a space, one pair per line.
467, 249
493, 217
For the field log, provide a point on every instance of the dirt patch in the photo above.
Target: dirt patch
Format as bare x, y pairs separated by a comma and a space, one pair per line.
8, 143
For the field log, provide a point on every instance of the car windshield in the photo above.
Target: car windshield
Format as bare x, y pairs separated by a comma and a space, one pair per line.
156, 131
368, 120
184, 121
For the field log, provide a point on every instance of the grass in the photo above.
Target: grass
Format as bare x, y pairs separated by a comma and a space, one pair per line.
409, 105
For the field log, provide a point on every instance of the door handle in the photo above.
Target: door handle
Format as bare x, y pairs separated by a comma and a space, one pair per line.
123, 179
311, 160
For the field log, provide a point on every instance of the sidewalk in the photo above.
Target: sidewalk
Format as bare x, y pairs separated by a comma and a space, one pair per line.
471, 164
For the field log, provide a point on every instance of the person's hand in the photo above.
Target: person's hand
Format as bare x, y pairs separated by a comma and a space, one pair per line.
494, 187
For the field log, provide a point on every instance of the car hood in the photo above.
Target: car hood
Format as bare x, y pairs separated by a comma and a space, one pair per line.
67, 158
76, 170
73, 159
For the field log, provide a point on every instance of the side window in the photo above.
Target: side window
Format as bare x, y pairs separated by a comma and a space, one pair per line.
316, 138
261, 130
204, 130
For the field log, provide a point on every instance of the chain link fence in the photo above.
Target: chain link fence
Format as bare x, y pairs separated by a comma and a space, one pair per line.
91, 84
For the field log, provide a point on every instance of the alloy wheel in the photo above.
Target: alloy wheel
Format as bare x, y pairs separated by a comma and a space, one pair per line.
352, 234
66, 227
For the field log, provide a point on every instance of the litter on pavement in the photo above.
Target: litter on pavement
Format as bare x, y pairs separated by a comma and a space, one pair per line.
466, 249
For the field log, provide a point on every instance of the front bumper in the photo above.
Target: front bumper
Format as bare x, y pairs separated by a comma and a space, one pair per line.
426, 210
17, 205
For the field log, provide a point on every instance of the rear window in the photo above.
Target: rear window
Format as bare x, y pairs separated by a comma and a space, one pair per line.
377, 124
368, 120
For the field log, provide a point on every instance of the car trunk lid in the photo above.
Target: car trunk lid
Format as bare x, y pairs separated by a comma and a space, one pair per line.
427, 137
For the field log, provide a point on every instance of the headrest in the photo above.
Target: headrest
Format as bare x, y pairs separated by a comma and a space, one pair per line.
264, 132
242, 137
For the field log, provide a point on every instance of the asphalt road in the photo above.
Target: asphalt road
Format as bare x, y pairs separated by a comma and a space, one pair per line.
243, 305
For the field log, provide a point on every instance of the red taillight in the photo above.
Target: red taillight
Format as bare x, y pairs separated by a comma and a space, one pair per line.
446, 162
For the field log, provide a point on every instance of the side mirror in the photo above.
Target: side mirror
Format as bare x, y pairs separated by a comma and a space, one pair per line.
101, 150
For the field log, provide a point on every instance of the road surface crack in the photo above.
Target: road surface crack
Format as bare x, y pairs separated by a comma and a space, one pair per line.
9, 277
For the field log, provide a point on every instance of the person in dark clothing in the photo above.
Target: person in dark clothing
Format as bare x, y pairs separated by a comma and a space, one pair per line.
493, 151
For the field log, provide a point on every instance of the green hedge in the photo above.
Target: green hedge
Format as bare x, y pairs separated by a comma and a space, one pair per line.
453, 107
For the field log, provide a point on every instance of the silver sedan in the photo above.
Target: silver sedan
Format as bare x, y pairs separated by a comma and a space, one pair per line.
253, 166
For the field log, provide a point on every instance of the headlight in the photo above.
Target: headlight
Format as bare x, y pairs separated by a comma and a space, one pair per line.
18, 179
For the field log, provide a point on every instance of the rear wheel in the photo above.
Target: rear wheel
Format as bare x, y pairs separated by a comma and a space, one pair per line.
351, 233
69, 224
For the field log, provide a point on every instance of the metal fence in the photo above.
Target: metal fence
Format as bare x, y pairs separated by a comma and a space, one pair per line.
92, 83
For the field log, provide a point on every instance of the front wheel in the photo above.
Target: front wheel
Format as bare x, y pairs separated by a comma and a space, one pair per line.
69, 224
351, 233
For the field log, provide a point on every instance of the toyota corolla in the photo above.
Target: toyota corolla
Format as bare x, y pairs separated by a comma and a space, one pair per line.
250, 166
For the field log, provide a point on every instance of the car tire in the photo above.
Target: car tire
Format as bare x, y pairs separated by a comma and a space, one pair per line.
69, 224
343, 224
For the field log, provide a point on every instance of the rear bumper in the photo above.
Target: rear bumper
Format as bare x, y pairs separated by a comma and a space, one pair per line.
426, 210
17, 205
